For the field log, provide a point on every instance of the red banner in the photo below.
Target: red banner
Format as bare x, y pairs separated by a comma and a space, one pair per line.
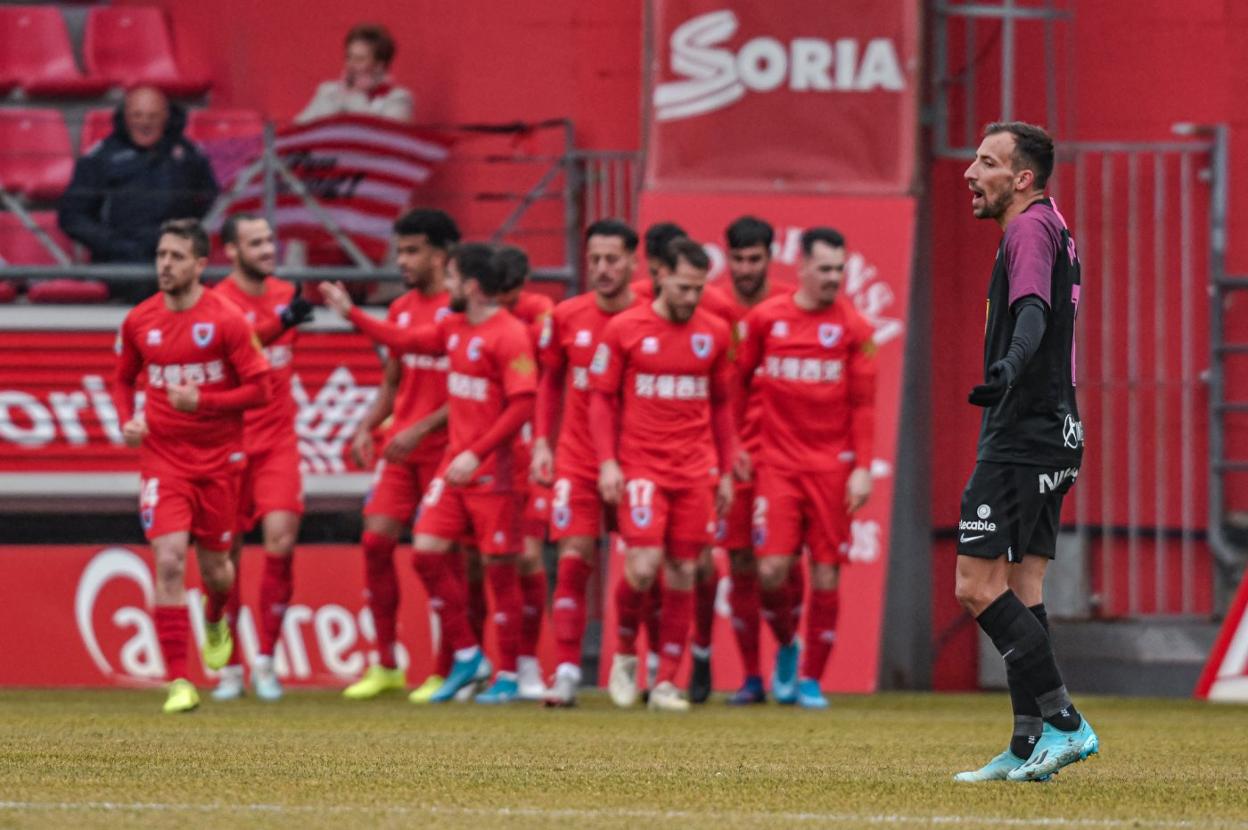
56, 414
879, 234
783, 96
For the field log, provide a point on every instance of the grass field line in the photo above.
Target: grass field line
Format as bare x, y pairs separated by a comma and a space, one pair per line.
607, 813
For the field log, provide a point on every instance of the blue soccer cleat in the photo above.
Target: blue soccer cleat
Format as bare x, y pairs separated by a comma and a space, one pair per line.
809, 695
463, 672
784, 678
1057, 749
504, 690
995, 770
751, 691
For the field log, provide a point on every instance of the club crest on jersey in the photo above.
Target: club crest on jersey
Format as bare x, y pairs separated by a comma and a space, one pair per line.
474, 348
701, 344
251, 315
153, 337
829, 334
641, 516
441, 313
562, 517
202, 333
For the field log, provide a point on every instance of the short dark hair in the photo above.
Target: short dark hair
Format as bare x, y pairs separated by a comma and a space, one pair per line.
682, 247
229, 230
1033, 148
377, 37
658, 235
479, 261
826, 235
749, 231
189, 229
515, 264
616, 228
435, 225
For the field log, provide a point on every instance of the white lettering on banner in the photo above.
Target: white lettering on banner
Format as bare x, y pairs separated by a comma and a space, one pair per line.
714, 77
467, 387
27, 409
140, 656
671, 387
804, 370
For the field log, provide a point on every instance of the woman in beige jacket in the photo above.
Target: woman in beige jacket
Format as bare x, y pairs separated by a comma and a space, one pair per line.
365, 87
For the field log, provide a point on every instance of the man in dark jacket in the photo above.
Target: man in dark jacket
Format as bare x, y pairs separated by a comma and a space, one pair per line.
145, 172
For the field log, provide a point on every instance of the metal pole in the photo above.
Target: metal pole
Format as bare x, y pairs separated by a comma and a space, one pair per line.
1134, 478
1161, 391
573, 189
270, 175
1007, 60
1187, 421
1106, 389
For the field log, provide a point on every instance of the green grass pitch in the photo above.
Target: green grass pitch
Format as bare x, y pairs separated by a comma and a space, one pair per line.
87, 759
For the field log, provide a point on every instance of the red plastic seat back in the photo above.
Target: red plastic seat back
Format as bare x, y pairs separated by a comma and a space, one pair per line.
35, 157
20, 246
96, 126
34, 43
129, 44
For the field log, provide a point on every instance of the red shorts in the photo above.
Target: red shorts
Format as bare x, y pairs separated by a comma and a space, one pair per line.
270, 482
205, 506
398, 488
733, 531
576, 509
489, 519
795, 508
535, 511
680, 520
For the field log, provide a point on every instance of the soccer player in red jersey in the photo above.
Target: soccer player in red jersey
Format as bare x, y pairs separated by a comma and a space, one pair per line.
491, 387
534, 310
811, 358
272, 488
662, 421
202, 367
411, 406
571, 470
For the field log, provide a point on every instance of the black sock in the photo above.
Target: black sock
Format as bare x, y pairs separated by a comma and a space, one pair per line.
1027, 720
1022, 640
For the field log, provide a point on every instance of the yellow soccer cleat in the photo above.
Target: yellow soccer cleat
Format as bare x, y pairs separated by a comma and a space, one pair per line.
432, 683
182, 697
376, 680
218, 644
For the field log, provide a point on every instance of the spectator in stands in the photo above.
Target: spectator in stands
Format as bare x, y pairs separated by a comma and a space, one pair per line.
365, 87
142, 174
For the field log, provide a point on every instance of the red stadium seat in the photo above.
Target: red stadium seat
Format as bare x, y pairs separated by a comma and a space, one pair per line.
8, 291
35, 54
96, 126
209, 124
131, 45
19, 246
35, 157
68, 291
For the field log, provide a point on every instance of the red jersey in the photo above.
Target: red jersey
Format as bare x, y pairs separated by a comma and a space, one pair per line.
734, 312
273, 424
210, 345
533, 309
666, 375
814, 372
488, 363
567, 346
422, 385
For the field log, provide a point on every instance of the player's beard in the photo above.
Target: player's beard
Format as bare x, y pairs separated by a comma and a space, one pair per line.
994, 206
252, 269
457, 304
750, 287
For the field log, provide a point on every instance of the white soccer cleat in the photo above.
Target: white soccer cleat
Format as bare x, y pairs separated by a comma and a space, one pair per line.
264, 679
562, 693
230, 684
529, 677
622, 684
665, 697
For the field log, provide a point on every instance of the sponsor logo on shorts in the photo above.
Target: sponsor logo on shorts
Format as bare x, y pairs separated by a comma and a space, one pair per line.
721, 530
202, 333
641, 516
983, 527
1052, 482
983, 511
148, 517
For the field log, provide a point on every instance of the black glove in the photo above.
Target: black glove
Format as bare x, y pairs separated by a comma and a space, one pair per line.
299, 310
1000, 379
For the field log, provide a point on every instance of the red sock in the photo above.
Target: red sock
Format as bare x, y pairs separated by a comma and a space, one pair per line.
505, 589
820, 632
214, 608
628, 602
477, 609
744, 601
445, 658
276, 586
704, 610
533, 595
653, 609
567, 614
232, 609
172, 629
677, 614
778, 612
797, 592
382, 587
446, 597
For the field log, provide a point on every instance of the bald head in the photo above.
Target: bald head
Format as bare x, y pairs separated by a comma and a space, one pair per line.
146, 112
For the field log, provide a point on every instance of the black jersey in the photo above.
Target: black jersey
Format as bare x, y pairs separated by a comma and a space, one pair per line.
1037, 422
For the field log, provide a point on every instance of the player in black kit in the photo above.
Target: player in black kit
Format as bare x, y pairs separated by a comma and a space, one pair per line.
1030, 447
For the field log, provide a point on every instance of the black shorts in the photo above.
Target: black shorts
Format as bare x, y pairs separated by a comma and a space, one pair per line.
1012, 510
